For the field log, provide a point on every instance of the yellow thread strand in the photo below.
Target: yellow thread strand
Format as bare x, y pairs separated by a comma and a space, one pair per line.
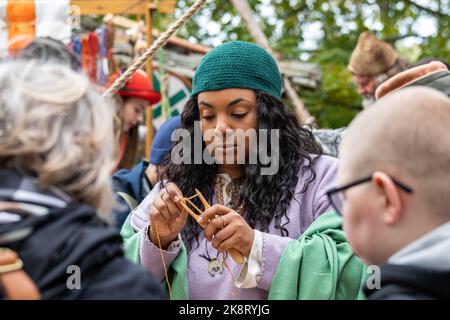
166, 276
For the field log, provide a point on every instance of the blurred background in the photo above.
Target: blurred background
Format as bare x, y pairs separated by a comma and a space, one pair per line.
325, 33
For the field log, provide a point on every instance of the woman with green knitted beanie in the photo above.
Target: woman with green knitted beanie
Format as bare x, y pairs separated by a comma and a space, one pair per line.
237, 86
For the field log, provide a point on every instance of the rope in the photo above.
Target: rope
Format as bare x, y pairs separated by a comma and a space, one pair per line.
162, 40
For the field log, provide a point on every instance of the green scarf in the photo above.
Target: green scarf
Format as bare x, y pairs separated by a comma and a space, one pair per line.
177, 271
319, 265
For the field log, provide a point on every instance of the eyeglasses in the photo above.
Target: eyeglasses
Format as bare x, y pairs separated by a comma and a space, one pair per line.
336, 195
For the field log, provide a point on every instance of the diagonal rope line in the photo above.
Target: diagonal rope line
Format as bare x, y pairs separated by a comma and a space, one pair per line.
149, 54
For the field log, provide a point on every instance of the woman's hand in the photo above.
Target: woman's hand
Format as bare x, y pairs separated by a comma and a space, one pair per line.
167, 216
227, 229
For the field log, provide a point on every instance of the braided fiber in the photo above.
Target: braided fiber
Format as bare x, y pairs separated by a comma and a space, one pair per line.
120, 82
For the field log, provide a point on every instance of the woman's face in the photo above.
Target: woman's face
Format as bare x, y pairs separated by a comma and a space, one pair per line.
133, 113
222, 113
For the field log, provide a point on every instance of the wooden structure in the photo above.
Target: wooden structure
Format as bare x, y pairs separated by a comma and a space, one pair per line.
123, 7
130, 7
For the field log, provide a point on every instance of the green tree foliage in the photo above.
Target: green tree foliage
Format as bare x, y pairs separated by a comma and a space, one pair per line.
287, 23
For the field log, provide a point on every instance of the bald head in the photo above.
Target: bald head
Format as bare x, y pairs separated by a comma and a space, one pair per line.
407, 135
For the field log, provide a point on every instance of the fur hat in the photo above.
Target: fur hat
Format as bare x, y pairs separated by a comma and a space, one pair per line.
371, 56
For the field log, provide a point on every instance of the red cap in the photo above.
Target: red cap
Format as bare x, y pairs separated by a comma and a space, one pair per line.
139, 87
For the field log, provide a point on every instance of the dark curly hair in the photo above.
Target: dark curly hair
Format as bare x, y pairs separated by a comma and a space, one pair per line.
264, 197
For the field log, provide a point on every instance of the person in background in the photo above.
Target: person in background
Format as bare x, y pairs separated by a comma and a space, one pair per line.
46, 49
133, 100
237, 86
132, 186
57, 150
434, 74
393, 193
372, 62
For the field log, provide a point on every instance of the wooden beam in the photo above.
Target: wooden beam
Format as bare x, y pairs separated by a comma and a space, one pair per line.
167, 6
149, 139
185, 44
127, 23
247, 14
148, 23
102, 7
300, 110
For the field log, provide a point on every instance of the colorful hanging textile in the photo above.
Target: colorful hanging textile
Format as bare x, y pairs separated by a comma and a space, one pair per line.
90, 47
23, 20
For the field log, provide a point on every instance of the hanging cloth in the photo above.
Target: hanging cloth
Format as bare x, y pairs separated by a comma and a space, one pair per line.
75, 45
90, 48
103, 61
106, 41
21, 17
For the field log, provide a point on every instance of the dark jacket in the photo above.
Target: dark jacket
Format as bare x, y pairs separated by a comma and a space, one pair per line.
403, 282
128, 184
56, 233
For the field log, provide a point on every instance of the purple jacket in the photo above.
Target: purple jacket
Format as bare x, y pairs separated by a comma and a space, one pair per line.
303, 210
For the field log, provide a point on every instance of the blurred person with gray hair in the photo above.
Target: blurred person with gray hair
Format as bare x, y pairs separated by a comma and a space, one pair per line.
57, 151
45, 49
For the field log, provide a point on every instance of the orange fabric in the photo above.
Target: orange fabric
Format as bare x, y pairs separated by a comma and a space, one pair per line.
21, 17
84, 52
90, 47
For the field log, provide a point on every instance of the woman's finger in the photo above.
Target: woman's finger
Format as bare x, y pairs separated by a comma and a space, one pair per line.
215, 210
171, 206
160, 205
222, 235
214, 226
175, 194
155, 214
230, 243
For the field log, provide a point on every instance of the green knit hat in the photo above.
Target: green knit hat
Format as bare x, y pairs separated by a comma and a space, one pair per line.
238, 64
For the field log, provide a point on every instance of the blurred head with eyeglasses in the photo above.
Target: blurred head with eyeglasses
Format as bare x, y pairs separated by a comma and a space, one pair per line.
394, 174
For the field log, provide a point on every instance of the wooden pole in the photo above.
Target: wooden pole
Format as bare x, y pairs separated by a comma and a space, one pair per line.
303, 114
246, 13
149, 117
